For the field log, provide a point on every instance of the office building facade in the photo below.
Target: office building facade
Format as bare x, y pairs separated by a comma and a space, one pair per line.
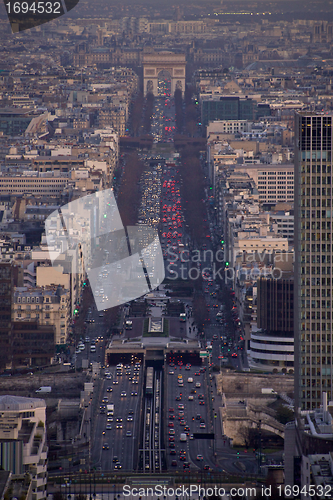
313, 259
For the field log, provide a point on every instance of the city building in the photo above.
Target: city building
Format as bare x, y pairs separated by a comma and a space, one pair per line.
23, 445
226, 108
313, 259
6, 294
308, 448
272, 343
275, 183
49, 305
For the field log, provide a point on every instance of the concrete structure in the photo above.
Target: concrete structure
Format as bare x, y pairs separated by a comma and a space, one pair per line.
313, 258
156, 62
308, 449
23, 440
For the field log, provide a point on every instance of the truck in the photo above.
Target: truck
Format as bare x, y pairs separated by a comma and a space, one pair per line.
183, 437
267, 390
110, 408
44, 389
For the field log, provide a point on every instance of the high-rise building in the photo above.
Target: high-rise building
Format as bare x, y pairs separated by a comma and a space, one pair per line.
313, 259
6, 293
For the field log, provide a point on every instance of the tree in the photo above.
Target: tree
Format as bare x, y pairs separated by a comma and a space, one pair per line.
284, 414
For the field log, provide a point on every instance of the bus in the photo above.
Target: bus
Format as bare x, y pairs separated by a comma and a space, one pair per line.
149, 381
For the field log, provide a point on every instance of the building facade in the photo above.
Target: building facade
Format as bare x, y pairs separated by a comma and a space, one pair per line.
6, 293
272, 344
313, 259
23, 445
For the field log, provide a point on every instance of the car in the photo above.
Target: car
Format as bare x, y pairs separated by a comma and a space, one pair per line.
181, 407
171, 439
171, 424
105, 446
108, 427
123, 394
119, 426
109, 389
172, 445
134, 393
202, 425
118, 466
109, 419
178, 398
131, 412
115, 460
191, 437
171, 410
119, 419
186, 465
171, 417
174, 463
201, 396
172, 452
171, 373
129, 418
201, 402
171, 431
115, 382
198, 417
206, 467
129, 434
199, 457
198, 384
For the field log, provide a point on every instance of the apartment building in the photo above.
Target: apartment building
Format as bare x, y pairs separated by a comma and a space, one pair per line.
23, 445
49, 305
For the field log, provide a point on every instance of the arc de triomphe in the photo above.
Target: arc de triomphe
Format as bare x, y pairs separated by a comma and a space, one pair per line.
156, 62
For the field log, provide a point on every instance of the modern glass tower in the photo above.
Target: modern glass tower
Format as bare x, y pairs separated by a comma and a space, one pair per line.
313, 259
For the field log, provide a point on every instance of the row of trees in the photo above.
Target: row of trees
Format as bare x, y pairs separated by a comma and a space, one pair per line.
191, 113
129, 191
193, 193
136, 115
148, 113
179, 110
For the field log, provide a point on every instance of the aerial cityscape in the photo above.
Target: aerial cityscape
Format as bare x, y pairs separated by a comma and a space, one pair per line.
166, 250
